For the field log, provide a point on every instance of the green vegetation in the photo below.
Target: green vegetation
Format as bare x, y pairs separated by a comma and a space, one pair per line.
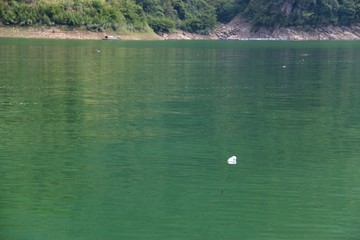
95, 15
199, 16
305, 13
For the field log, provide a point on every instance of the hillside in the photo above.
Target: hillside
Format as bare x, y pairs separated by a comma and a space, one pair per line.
241, 29
189, 19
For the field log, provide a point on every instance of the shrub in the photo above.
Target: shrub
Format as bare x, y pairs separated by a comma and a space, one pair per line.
161, 24
227, 10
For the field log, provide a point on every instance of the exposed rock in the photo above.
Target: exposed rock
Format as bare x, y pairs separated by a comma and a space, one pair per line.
181, 35
239, 29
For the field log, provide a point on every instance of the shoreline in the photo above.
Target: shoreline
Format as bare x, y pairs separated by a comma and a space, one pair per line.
237, 29
59, 32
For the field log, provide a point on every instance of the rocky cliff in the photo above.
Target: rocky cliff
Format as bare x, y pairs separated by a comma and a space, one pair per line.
239, 29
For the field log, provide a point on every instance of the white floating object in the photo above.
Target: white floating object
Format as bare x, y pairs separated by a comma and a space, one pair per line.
232, 160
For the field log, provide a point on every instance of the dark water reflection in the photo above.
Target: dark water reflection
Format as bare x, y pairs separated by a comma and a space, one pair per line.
131, 141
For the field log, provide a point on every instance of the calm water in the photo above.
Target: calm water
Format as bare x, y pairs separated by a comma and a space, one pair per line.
129, 140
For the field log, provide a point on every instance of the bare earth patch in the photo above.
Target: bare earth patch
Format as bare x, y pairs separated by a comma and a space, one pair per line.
64, 33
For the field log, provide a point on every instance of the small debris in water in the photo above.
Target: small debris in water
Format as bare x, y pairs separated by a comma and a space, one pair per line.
232, 160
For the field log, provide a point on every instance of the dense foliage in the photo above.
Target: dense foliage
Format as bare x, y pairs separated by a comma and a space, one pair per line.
199, 16
272, 13
94, 14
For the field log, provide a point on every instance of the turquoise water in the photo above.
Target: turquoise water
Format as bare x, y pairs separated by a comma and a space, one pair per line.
129, 140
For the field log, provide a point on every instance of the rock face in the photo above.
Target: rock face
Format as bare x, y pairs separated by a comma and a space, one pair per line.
239, 29
182, 35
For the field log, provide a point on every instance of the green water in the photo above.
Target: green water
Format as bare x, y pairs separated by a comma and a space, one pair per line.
129, 140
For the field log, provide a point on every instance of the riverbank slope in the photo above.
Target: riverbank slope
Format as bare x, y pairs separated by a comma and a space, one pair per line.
59, 32
237, 29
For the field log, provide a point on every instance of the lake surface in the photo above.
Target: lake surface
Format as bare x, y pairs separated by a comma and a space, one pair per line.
129, 140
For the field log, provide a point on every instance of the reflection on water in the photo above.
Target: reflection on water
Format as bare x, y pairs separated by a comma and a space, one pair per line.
132, 141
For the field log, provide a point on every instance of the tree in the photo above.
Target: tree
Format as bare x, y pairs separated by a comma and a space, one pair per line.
347, 12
